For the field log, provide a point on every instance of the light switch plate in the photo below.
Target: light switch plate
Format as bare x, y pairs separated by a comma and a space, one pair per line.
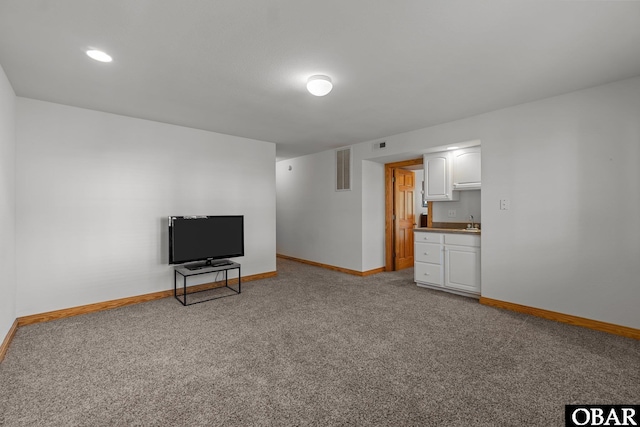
505, 204
452, 213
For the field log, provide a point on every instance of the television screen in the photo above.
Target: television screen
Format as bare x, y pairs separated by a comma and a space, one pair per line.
200, 238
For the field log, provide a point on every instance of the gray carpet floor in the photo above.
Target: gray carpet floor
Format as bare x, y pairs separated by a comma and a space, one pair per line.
312, 347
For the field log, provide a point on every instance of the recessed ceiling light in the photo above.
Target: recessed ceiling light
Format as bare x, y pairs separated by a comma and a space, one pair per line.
452, 148
319, 85
98, 55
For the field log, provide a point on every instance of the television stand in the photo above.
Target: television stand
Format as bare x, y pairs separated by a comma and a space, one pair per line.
194, 270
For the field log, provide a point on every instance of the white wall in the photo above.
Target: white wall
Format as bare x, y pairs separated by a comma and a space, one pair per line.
567, 164
469, 203
372, 208
7, 206
94, 191
314, 221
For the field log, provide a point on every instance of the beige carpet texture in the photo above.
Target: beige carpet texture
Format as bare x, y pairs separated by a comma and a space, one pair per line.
312, 347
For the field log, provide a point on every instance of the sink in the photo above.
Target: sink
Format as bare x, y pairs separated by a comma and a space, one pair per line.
471, 230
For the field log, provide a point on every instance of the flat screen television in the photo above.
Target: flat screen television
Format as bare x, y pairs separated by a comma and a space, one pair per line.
205, 238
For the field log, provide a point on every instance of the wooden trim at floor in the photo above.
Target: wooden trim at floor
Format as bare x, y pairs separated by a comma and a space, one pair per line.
597, 325
333, 267
91, 308
371, 272
107, 305
7, 340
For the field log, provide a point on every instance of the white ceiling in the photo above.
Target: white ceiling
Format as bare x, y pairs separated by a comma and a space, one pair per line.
240, 66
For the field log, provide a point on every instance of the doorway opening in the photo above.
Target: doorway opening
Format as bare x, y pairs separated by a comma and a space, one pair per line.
400, 217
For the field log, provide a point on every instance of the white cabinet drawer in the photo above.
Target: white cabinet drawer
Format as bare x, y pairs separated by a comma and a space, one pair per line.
428, 273
428, 252
462, 240
427, 237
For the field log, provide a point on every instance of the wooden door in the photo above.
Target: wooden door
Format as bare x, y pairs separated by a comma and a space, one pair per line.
405, 218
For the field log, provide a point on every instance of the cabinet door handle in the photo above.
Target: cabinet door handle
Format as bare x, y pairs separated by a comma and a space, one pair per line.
426, 253
426, 274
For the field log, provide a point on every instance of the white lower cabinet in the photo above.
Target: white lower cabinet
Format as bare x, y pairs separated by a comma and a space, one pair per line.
428, 256
462, 268
449, 261
428, 263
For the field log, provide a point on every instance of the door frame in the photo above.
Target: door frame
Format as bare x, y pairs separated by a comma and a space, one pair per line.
389, 235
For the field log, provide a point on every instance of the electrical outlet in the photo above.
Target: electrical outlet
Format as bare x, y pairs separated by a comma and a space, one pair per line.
505, 204
452, 213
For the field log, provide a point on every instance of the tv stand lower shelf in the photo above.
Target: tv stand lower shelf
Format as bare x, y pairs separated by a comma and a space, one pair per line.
186, 272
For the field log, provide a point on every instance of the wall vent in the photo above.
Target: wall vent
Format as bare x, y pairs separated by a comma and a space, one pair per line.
343, 169
381, 145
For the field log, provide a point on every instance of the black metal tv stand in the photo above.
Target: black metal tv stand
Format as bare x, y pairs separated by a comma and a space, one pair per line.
194, 270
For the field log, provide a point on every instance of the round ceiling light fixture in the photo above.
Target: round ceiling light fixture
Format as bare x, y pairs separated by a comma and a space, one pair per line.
99, 55
319, 85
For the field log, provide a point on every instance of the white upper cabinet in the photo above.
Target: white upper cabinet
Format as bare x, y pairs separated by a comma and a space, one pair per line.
437, 177
466, 169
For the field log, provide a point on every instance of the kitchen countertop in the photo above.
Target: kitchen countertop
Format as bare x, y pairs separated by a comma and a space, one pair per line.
446, 230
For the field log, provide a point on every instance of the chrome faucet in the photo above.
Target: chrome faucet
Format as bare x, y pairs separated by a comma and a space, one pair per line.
472, 223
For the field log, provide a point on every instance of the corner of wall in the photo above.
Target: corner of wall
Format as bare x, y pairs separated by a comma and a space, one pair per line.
8, 203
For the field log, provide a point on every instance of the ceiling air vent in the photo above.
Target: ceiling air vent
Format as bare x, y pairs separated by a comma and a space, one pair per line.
343, 169
381, 145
